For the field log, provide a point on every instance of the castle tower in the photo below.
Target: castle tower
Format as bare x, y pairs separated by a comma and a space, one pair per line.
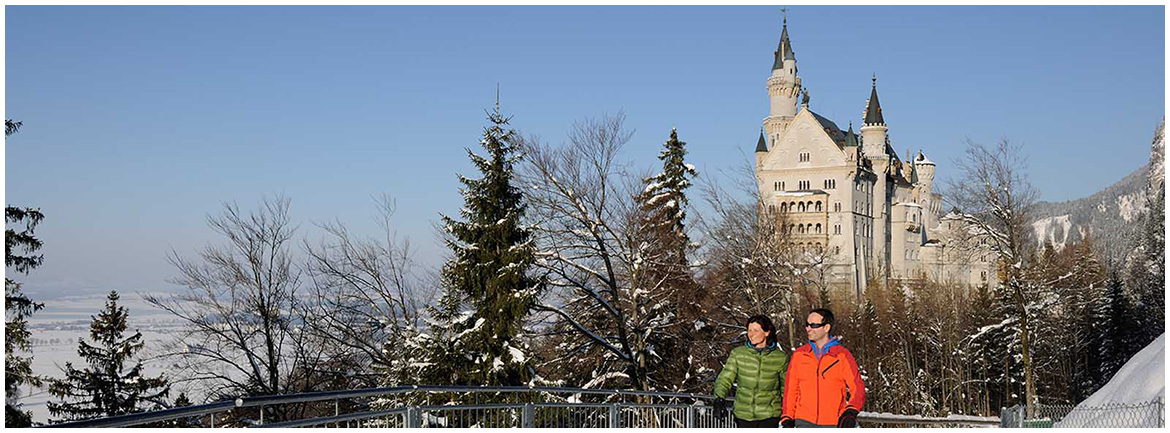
783, 88
873, 130
873, 138
925, 170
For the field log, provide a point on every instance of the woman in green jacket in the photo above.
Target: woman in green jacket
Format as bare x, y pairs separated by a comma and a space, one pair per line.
758, 369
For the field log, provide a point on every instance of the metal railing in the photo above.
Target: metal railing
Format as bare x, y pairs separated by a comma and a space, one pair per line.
1142, 414
444, 406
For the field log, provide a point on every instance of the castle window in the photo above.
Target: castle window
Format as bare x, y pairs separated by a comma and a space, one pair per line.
837, 249
805, 157
983, 275
818, 206
837, 207
783, 207
782, 185
837, 229
801, 206
818, 228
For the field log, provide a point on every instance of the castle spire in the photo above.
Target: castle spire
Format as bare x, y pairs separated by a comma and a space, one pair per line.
784, 51
762, 145
873, 111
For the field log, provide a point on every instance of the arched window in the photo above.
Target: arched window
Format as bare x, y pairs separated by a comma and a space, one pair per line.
818, 206
783, 207
802, 206
818, 228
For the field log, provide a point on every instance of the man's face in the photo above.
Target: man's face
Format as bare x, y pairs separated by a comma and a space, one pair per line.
816, 334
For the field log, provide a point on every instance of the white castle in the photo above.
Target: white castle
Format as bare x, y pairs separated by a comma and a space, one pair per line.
850, 199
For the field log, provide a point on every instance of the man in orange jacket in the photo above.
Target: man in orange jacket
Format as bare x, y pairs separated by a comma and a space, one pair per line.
822, 387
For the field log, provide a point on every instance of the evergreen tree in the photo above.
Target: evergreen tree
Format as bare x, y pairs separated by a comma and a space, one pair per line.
492, 254
1117, 332
19, 247
666, 300
106, 387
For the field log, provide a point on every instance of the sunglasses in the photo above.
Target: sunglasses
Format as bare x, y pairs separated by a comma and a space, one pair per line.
814, 325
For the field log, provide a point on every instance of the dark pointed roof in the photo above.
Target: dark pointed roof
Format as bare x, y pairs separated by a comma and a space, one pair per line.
873, 112
762, 145
784, 51
850, 137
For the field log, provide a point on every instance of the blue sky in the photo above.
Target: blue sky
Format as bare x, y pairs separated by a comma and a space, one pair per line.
140, 121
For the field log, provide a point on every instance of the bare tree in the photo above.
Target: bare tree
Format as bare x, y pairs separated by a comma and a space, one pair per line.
993, 196
752, 260
365, 300
585, 214
243, 317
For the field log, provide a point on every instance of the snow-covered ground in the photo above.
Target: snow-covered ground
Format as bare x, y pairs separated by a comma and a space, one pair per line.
1140, 380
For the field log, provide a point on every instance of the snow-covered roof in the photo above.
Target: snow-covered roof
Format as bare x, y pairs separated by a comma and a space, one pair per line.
922, 159
800, 193
908, 204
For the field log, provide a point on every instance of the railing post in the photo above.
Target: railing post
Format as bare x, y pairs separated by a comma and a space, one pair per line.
1161, 412
690, 417
528, 418
261, 415
413, 417
615, 420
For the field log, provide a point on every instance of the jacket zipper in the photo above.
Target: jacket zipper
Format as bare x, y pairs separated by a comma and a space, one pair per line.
760, 373
818, 404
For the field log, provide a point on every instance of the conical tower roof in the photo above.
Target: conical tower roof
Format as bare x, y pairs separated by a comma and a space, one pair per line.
873, 112
762, 145
784, 51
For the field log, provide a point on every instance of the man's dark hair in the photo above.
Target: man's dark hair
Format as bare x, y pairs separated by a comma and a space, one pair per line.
765, 325
826, 315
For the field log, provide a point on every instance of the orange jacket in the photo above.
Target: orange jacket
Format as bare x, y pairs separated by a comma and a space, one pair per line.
820, 390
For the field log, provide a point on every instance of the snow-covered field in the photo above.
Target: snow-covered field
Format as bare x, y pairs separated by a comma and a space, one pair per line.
1140, 380
56, 329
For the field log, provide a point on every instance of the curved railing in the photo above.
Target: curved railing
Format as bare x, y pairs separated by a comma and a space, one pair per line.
449, 406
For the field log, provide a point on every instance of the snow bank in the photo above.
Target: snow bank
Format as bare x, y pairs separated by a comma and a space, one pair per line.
1140, 380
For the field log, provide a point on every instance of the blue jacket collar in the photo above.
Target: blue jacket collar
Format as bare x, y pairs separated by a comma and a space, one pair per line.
748, 344
823, 350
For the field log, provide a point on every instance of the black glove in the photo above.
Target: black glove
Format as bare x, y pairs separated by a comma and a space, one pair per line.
848, 419
787, 423
720, 406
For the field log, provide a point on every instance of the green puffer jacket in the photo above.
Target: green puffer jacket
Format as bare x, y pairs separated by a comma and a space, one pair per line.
760, 374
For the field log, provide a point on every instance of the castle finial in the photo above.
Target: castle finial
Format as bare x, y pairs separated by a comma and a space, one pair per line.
784, 10
875, 79
497, 98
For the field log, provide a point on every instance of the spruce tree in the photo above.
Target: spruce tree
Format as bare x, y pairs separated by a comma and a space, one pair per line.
1117, 331
19, 247
491, 255
106, 387
666, 300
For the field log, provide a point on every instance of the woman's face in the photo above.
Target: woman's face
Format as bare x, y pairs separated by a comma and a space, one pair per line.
757, 335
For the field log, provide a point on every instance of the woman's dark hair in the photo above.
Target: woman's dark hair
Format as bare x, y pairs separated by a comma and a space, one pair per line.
765, 325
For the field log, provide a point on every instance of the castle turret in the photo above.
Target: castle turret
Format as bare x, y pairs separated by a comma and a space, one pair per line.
783, 88
761, 149
925, 169
873, 129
